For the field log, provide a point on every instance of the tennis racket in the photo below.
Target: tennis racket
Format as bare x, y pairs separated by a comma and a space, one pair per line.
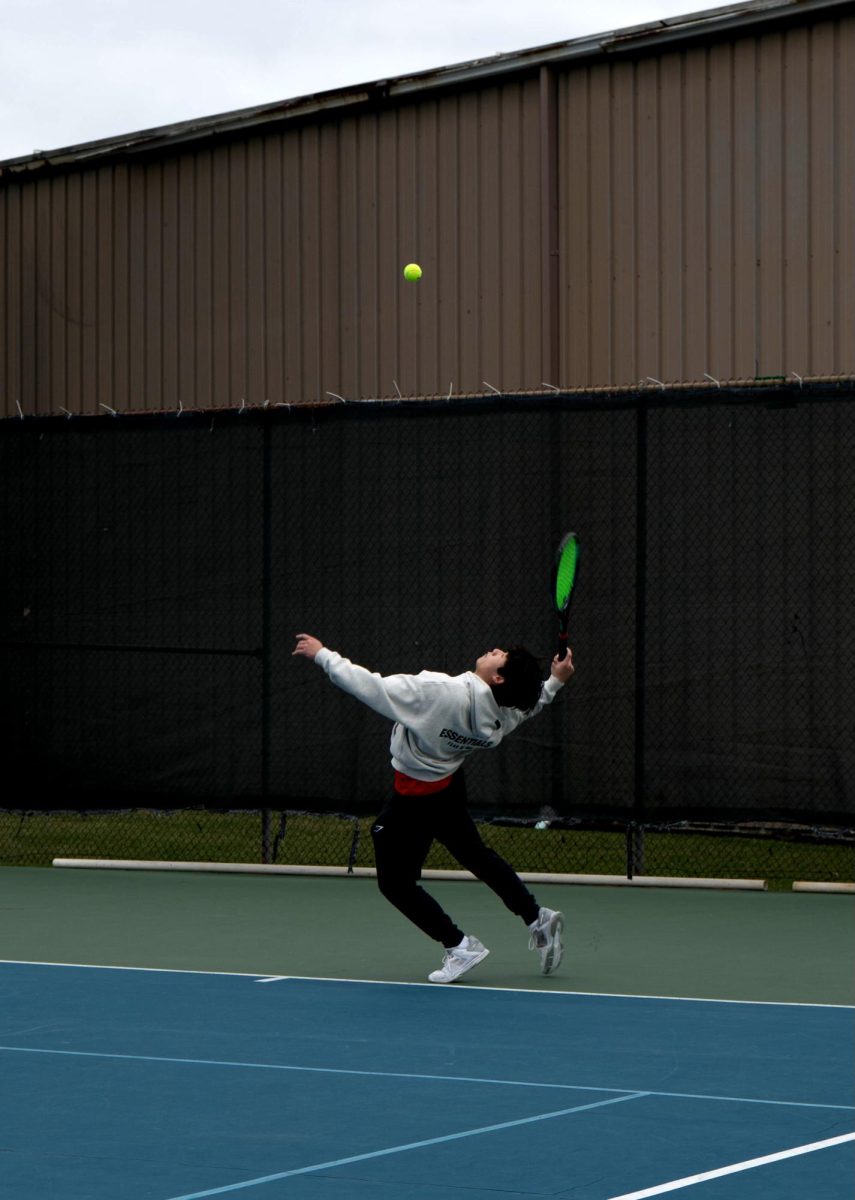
564, 574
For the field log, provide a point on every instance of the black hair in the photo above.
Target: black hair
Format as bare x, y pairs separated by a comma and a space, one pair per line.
522, 677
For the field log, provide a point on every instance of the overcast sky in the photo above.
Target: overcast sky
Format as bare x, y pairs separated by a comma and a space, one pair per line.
73, 71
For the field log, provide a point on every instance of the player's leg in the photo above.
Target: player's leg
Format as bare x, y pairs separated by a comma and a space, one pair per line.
456, 830
402, 839
402, 835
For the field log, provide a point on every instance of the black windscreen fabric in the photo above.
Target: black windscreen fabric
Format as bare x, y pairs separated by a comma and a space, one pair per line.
155, 571
132, 571
750, 632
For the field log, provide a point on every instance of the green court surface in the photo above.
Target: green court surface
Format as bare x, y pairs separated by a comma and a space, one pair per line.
654, 941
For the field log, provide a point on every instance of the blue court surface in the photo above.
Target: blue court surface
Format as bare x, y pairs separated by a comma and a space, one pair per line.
165, 1085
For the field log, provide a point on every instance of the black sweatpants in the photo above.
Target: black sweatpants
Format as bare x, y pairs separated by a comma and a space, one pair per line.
402, 836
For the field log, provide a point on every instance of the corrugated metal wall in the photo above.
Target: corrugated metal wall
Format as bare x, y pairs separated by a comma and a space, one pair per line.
709, 211
689, 212
271, 267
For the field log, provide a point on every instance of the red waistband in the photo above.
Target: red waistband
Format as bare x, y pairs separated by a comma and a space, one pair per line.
405, 785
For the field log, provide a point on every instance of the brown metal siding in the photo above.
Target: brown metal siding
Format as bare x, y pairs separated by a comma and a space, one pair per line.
438, 183
698, 218
839, 203
709, 216
270, 268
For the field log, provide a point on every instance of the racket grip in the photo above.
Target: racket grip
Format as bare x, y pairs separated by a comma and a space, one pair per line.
562, 646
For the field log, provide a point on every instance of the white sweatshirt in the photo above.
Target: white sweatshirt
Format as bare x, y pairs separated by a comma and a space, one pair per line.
439, 719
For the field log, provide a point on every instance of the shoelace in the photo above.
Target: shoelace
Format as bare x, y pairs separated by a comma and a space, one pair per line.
450, 958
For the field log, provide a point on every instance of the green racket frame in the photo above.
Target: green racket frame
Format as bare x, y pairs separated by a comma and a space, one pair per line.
564, 575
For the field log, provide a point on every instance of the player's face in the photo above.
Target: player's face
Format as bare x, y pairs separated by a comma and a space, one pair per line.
491, 664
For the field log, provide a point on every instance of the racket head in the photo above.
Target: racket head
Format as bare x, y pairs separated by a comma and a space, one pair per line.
564, 573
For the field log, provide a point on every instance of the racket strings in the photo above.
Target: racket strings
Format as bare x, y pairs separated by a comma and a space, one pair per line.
565, 574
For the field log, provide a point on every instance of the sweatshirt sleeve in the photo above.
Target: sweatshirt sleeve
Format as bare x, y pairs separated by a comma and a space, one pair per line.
398, 697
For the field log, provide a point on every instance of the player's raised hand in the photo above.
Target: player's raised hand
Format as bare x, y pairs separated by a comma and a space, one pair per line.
307, 646
562, 668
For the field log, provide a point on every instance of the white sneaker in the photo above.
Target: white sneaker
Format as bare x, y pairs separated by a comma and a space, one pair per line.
459, 960
546, 938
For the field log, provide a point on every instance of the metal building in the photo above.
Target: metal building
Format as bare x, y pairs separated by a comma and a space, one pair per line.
667, 202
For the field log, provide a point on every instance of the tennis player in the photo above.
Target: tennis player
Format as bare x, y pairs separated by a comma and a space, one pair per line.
440, 720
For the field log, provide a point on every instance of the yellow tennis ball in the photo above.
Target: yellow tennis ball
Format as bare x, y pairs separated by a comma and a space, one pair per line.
412, 271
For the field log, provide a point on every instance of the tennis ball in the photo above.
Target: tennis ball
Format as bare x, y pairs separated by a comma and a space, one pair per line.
412, 271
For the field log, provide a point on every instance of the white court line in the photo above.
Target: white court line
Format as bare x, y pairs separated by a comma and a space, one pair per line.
565, 1087
747, 1165
29, 962
458, 987
448, 1137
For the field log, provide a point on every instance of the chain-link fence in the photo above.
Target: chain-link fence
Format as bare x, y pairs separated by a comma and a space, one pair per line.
156, 568
775, 855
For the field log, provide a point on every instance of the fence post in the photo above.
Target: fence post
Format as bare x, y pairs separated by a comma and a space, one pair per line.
266, 609
635, 863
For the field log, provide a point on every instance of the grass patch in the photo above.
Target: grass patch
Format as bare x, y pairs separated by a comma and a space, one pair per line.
35, 839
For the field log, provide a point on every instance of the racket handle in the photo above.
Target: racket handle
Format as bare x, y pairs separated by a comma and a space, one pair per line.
562, 646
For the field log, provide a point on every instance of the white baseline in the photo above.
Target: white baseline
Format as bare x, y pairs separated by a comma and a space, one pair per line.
747, 1165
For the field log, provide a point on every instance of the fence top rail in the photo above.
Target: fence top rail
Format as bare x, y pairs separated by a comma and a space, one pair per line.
774, 391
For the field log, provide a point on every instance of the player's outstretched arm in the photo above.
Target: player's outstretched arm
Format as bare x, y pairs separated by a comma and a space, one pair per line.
399, 697
307, 646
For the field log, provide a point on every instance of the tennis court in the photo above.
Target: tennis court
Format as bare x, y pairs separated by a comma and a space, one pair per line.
124, 1076
227, 418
